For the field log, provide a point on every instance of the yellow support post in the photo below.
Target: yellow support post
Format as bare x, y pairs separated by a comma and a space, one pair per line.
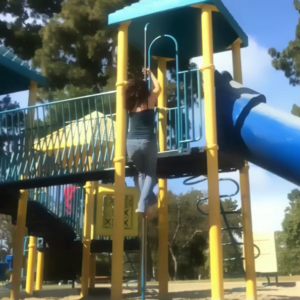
93, 255
32, 93
119, 163
31, 263
163, 273
251, 291
39, 271
31, 114
216, 259
92, 270
88, 209
32, 240
18, 245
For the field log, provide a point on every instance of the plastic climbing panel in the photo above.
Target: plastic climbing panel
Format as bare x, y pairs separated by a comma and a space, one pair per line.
105, 211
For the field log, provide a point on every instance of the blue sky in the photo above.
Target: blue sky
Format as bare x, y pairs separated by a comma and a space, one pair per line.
268, 24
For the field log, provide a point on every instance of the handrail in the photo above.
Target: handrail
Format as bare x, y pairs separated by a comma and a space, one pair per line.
56, 102
177, 74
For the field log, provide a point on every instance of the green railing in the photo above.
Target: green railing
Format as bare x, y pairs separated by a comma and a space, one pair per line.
59, 138
78, 135
65, 201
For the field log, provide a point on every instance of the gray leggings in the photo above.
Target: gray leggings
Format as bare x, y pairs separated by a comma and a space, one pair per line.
143, 153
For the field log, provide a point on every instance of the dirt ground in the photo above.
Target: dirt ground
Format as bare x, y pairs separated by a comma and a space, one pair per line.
177, 291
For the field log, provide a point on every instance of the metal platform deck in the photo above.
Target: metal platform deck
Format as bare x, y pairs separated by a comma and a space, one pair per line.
170, 165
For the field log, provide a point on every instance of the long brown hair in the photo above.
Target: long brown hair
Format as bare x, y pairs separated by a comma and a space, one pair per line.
136, 94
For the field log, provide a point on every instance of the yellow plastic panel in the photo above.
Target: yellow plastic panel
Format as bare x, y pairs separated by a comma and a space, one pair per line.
105, 211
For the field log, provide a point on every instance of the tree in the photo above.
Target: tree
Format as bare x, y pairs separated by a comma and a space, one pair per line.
291, 222
188, 236
288, 60
232, 251
232, 254
21, 31
288, 241
187, 240
187, 233
296, 110
282, 254
78, 47
69, 40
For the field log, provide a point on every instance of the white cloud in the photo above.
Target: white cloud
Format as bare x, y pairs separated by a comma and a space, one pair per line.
256, 63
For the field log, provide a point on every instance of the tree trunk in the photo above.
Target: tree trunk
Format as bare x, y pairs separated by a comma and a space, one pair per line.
174, 261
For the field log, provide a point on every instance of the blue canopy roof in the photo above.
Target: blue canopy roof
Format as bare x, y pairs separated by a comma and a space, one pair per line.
181, 19
16, 74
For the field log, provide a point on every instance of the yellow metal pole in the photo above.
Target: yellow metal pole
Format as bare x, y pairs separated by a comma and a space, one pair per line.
32, 93
88, 209
31, 262
31, 113
18, 245
39, 271
93, 255
163, 270
92, 270
119, 163
216, 260
251, 291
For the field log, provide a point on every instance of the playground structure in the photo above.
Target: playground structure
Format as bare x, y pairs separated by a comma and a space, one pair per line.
81, 141
266, 261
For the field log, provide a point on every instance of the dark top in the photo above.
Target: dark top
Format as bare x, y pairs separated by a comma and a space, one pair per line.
141, 124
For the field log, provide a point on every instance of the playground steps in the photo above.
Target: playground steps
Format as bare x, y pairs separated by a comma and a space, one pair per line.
40, 222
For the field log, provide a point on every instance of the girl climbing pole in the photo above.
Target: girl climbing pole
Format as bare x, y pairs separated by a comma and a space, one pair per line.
141, 138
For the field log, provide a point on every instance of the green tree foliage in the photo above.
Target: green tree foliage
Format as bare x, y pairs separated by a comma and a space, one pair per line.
288, 241
188, 236
282, 254
233, 264
232, 254
25, 20
291, 222
288, 60
69, 40
296, 110
78, 48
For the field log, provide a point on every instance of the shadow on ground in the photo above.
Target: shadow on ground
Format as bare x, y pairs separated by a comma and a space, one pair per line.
205, 295
104, 294
284, 284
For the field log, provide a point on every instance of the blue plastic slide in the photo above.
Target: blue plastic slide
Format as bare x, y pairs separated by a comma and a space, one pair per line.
248, 127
